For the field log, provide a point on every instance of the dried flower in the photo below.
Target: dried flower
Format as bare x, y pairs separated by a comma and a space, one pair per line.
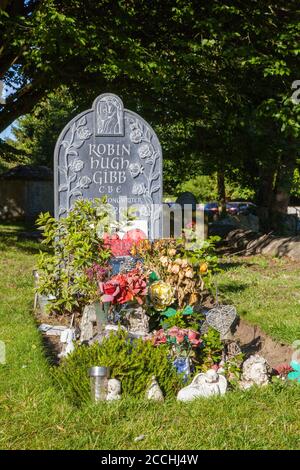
171, 252
189, 273
164, 260
175, 268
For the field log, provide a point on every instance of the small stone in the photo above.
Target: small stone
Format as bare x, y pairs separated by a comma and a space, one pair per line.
87, 323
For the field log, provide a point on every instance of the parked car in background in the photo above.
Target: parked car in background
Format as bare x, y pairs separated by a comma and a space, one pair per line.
237, 208
211, 209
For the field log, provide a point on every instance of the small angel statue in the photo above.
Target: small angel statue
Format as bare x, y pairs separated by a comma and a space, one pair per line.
113, 390
204, 385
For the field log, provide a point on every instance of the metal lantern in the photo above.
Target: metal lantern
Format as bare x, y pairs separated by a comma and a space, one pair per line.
99, 376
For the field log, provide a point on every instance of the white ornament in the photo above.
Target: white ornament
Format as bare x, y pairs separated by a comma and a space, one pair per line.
113, 390
256, 371
204, 385
154, 391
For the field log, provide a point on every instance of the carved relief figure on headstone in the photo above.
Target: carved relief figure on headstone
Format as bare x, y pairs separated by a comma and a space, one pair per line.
109, 116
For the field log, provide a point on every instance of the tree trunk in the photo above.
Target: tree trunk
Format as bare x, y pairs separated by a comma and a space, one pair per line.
282, 189
265, 197
221, 191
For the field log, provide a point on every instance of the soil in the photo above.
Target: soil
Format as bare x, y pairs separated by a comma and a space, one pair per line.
254, 341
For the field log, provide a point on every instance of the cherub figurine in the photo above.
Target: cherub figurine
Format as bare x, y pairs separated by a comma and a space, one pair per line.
204, 385
113, 390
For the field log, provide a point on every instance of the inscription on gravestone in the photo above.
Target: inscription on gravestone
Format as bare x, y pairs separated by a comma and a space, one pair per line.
109, 150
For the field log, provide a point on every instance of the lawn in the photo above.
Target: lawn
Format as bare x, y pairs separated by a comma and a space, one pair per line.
266, 292
34, 413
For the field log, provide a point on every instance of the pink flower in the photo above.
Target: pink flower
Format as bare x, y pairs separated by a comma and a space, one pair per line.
173, 331
180, 337
159, 337
283, 369
192, 335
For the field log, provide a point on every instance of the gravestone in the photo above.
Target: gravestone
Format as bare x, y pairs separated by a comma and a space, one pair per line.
111, 151
187, 198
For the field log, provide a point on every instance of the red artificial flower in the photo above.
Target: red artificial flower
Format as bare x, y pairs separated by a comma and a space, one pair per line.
110, 290
135, 235
122, 247
137, 284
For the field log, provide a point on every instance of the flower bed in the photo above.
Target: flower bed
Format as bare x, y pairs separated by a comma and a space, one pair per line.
160, 294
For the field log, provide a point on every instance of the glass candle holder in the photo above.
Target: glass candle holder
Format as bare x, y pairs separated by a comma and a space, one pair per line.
98, 382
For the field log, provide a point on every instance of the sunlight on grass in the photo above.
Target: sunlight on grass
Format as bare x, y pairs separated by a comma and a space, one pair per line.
34, 413
266, 292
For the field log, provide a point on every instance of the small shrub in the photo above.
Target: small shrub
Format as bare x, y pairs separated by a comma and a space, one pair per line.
132, 362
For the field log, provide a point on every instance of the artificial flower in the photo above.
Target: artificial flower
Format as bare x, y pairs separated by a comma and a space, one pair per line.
203, 268
161, 295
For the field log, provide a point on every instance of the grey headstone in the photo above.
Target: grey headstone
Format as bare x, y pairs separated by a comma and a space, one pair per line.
187, 198
109, 150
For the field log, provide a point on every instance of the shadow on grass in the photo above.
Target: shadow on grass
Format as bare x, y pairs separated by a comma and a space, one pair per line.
20, 243
226, 266
233, 288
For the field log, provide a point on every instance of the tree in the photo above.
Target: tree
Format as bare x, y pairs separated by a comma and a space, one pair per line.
36, 133
214, 77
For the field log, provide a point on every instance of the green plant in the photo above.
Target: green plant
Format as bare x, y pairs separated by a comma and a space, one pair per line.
132, 362
202, 254
233, 369
211, 353
182, 318
75, 243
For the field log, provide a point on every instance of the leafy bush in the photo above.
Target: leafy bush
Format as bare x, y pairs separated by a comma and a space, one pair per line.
76, 243
132, 362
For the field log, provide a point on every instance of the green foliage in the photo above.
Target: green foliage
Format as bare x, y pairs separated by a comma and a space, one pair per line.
202, 253
212, 350
36, 133
183, 318
133, 362
75, 242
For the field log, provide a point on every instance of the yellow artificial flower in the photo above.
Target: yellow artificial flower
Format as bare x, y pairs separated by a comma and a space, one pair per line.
161, 295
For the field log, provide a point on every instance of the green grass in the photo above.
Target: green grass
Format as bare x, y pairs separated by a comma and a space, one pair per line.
34, 413
266, 292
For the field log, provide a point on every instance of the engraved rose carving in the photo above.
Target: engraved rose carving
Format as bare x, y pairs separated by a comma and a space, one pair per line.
136, 136
77, 165
144, 151
139, 189
135, 169
71, 183
83, 133
84, 182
